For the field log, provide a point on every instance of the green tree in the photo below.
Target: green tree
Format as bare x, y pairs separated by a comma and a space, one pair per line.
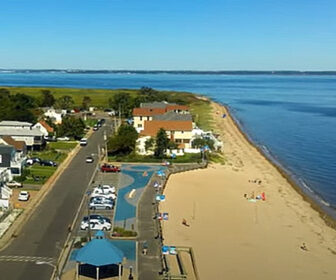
121, 102
162, 143
71, 127
124, 141
48, 99
64, 102
149, 144
201, 142
86, 102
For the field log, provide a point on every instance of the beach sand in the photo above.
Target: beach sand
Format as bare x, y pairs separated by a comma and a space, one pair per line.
234, 238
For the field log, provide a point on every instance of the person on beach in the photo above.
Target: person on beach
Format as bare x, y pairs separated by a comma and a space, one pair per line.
304, 247
184, 222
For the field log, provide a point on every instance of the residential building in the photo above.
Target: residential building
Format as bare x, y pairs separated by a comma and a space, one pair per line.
147, 111
12, 159
22, 131
179, 132
45, 128
55, 115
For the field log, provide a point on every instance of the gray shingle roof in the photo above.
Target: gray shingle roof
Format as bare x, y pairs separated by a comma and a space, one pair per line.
155, 104
20, 132
15, 123
172, 116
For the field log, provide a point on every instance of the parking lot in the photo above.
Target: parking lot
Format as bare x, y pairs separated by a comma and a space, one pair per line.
111, 179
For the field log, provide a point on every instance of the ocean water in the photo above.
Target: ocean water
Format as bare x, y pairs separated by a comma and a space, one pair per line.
293, 118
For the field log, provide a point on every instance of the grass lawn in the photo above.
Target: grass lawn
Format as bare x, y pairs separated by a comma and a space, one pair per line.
201, 112
186, 158
43, 172
53, 155
90, 122
62, 145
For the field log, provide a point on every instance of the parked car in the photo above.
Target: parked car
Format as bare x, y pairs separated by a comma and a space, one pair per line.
65, 138
109, 168
83, 142
24, 196
89, 159
50, 138
101, 199
47, 163
99, 193
14, 184
95, 127
33, 160
105, 189
96, 225
95, 217
99, 205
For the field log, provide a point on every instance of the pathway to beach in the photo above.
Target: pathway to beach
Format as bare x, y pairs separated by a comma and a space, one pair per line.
235, 237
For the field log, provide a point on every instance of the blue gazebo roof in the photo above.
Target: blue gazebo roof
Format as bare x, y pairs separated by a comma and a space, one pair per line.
99, 252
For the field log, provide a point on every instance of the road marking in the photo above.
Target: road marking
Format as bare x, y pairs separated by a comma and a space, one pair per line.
25, 259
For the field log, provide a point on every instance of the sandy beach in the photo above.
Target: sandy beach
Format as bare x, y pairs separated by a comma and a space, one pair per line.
233, 237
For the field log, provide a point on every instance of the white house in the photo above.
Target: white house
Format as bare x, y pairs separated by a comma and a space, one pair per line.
55, 115
44, 127
22, 131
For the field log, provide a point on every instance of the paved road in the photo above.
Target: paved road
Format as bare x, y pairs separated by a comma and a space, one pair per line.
46, 231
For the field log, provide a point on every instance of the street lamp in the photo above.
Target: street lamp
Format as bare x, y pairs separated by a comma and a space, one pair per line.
52, 265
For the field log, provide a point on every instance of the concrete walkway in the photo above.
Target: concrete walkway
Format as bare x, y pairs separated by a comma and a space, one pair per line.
149, 265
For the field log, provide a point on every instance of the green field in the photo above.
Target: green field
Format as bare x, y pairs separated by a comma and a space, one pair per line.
62, 145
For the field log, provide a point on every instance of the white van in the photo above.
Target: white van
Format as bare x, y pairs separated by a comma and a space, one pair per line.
83, 142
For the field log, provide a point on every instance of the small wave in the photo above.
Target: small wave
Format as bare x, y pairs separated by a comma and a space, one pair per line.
305, 185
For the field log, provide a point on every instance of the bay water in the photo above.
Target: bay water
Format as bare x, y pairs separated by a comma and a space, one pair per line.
292, 118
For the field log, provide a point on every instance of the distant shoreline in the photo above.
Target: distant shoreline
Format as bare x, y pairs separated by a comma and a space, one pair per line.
176, 72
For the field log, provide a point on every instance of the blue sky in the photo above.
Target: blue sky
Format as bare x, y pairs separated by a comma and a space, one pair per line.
169, 34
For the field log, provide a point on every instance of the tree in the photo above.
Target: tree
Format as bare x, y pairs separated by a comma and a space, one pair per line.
162, 143
121, 102
149, 144
64, 102
124, 141
201, 142
86, 102
48, 99
71, 127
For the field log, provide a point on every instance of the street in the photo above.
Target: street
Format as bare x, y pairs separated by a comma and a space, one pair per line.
42, 237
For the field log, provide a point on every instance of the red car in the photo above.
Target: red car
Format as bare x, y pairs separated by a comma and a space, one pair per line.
109, 168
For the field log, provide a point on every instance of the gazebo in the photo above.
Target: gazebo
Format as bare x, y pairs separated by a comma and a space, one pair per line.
99, 252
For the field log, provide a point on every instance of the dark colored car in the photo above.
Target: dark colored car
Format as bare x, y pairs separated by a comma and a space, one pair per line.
31, 161
48, 163
109, 168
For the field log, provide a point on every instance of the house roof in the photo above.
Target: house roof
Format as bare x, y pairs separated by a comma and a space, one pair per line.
171, 107
148, 111
18, 145
14, 123
172, 116
20, 132
151, 128
46, 126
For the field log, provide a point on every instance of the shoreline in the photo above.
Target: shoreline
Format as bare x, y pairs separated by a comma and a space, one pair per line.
247, 214
328, 218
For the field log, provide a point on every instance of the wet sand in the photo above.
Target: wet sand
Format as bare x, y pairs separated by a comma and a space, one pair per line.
234, 238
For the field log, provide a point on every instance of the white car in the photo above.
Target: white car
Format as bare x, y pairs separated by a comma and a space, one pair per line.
96, 225
105, 189
14, 184
105, 195
83, 142
24, 196
63, 138
89, 159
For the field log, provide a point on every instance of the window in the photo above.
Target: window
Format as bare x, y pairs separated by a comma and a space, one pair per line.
139, 125
182, 131
140, 118
178, 141
186, 141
